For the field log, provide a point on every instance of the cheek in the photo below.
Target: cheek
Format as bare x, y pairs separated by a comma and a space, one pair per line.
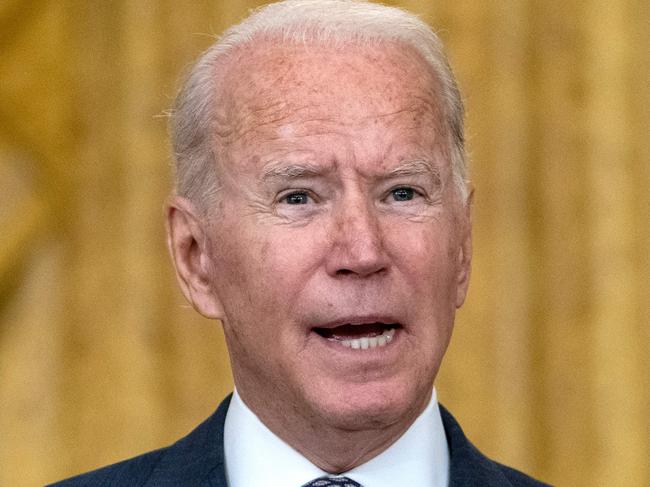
426, 247
234, 270
291, 254
426, 257
268, 268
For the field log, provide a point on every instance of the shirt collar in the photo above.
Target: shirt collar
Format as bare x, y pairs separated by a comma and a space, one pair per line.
255, 456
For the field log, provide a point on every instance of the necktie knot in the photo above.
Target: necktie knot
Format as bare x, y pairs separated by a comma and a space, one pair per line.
332, 482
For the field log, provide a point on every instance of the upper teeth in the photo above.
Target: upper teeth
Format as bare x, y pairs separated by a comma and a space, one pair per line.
369, 342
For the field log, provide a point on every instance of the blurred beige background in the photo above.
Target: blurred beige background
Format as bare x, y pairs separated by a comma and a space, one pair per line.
101, 359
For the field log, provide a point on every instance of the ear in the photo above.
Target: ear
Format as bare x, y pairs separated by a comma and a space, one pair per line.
465, 251
189, 247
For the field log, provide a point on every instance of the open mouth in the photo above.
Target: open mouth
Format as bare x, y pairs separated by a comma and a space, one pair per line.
360, 336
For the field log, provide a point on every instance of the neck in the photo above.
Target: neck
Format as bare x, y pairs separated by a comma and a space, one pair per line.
332, 448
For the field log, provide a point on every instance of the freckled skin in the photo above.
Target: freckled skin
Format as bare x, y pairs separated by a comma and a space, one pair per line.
351, 247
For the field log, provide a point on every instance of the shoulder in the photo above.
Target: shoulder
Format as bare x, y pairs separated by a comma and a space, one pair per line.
196, 459
135, 471
468, 466
517, 478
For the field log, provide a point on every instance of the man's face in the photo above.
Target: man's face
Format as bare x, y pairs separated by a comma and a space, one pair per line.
339, 248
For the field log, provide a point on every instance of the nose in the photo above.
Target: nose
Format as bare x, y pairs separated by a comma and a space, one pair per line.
357, 241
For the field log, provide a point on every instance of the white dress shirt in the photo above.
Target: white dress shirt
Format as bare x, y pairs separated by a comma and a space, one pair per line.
254, 456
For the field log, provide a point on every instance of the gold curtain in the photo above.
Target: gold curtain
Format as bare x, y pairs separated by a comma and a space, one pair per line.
100, 358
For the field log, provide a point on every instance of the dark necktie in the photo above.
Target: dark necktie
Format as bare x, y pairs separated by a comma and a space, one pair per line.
332, 482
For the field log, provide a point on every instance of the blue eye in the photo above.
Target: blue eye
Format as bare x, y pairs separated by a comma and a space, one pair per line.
402, 194
297, 198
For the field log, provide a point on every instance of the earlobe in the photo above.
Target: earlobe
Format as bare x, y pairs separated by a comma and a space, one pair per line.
190, 252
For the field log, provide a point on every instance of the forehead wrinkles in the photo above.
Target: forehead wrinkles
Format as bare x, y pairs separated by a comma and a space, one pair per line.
268, 86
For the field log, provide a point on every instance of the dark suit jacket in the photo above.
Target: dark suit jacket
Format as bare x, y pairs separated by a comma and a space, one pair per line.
197, 460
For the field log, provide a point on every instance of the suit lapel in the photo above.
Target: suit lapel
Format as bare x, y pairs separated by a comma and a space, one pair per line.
197, 459
468, 466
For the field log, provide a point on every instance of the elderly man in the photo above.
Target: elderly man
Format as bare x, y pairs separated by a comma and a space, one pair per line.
322, 214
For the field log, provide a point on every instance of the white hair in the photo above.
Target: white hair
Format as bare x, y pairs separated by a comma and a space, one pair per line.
329, 22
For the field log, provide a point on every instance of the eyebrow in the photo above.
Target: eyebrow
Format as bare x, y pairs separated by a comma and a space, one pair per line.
292, 171
414, 168
282, 172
